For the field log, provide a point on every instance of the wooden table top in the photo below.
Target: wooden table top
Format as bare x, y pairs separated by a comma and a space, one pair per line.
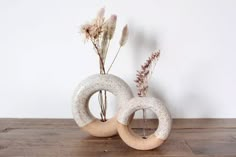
62, 138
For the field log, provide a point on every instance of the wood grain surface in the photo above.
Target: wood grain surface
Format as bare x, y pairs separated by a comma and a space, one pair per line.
62, 138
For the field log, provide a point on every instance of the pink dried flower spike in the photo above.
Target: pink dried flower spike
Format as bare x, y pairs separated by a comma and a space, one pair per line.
143, 76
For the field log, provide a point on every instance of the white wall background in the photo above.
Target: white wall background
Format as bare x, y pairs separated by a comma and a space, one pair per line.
42, 55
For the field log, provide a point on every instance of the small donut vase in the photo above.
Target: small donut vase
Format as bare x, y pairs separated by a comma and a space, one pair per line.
80, 101
132, 139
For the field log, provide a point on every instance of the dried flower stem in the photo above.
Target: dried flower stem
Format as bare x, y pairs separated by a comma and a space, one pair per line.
113, 60
143, 77
100, 57
104, 93
103, 104
145, 124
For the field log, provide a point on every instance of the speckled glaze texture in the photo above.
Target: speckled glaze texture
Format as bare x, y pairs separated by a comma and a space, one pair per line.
156, 106
91, 85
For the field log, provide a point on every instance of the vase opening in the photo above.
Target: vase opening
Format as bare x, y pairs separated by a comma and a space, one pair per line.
111, 107
148, 120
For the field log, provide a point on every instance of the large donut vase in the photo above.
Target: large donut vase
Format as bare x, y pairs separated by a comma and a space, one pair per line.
132, 139
82, 95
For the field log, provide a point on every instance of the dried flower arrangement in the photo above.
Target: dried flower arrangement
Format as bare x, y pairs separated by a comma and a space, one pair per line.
100, 32
143, 76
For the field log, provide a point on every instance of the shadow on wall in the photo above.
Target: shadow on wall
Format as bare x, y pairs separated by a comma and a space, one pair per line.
141, 43
191, 103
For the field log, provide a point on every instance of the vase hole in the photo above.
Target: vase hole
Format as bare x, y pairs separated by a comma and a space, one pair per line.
144, 126
99, 97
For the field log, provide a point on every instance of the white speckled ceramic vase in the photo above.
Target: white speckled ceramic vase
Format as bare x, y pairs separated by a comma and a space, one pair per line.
154, 140
85, 90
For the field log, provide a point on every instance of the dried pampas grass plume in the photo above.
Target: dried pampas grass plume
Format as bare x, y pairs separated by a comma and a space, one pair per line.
124, 36
101, 13
111, 26
104, 45
145, 73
